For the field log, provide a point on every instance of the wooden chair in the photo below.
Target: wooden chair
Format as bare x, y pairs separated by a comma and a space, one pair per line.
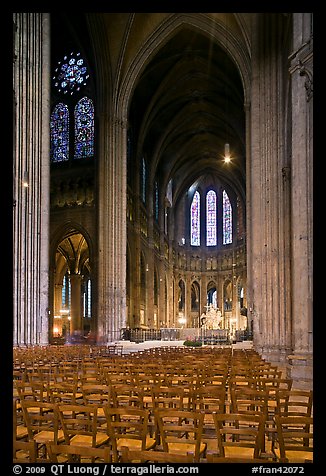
99, 395
24, 390
42, 425
152, 456
66, 392
239, 435
248, 400
78, 454
80, 425
181, 431
128, 426
294, 402
209, 400
20, 431
294, 441
126, 395
272, 386
24, 451
168, 397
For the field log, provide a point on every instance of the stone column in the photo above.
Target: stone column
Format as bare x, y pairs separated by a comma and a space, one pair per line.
76, 303
112, 227
57, 299
301, 70
203, 294
188, 300
268, 244
31, 85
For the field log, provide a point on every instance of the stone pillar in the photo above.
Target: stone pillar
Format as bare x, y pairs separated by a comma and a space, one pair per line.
301, 70
203, 295
112, 226
150, 287
268, 243
76, 303
31, 84
57, 299
188, 300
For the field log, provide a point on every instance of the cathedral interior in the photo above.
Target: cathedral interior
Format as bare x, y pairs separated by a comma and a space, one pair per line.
163, 178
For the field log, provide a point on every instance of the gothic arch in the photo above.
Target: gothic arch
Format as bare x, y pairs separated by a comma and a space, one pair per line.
218, 31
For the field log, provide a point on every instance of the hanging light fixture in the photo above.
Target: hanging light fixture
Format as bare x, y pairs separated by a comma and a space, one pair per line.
227, 156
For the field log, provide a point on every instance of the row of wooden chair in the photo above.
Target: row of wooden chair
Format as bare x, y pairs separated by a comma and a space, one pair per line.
207, 383
177, 431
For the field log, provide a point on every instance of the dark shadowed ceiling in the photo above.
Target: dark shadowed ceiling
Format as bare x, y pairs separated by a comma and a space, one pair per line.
187, 104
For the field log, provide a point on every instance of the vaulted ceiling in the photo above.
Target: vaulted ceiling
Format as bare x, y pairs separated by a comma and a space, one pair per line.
187, 104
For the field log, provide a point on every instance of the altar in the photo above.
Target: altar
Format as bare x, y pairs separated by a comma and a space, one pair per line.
212, 318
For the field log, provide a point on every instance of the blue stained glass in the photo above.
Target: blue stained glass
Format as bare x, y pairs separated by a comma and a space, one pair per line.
227, 219
59, 132
70, 74
195, 220
211, 218
84, 128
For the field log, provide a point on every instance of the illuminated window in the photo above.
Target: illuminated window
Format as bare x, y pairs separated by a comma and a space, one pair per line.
84, 128
211, 218
70, 74
195, 220
66, 292
227, 219
87, 299
59, 131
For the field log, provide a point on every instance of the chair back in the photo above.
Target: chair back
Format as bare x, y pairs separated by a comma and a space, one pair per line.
294, 439
240, 435
78, 421
127, 426
181, 431
78, 454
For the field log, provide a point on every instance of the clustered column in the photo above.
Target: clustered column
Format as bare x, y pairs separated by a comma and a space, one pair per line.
268, 244
112, 228
31, 83
301, 70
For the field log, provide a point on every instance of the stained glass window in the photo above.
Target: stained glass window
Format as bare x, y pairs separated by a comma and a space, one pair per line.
70, 74
195, 220
84, 128
211, 218
59, 130
87, 299
227, 219
66, 292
